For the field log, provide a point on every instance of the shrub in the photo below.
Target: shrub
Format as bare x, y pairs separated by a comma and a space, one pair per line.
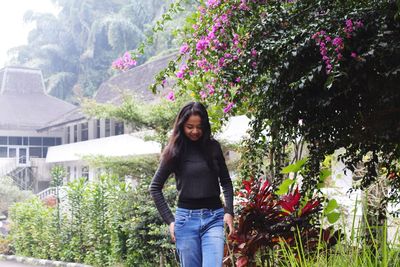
266, 221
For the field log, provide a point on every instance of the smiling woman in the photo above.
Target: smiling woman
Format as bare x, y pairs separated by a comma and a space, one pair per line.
197, 161
13, 30
192, 128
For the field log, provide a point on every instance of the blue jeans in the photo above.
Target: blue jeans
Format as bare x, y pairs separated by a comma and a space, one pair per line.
200, 237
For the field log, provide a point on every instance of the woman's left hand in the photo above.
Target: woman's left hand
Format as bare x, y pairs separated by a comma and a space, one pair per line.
228, 219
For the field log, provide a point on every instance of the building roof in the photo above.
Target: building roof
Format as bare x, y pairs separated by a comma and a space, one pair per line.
24, 105
135, 82
119, 145
72, 116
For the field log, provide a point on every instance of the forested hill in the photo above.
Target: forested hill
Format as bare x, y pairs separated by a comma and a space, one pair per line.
75, 49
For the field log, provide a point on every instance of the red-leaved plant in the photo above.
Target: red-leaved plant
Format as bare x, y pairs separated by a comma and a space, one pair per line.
266, 220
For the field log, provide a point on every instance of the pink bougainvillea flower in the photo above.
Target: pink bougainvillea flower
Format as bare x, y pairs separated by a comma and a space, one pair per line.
211, 89
203, 94
221, 62
359, 24
184, 49
181, 72
213, 3
171, 96
353, 54
125, 62
337, 41
228, 107
202, 44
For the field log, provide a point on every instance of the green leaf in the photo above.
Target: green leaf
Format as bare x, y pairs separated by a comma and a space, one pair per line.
333, 217
295, 167
325, 173
332, 204
284, 187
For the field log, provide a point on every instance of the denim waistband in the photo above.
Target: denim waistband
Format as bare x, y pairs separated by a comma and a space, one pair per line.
198, 212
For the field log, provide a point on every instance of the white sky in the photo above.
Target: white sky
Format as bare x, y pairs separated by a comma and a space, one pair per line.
13, 30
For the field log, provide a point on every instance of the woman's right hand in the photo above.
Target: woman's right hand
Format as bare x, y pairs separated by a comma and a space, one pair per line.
172, 231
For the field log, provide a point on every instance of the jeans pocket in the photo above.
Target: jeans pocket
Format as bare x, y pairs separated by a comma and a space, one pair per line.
180, 221
219, 214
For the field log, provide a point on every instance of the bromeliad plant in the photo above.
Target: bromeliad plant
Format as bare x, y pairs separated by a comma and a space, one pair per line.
267, 220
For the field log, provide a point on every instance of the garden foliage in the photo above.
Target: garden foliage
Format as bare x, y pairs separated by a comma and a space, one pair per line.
104, 223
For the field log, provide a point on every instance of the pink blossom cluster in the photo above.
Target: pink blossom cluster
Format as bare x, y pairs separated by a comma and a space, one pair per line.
327, 44
228, 107
351, 26
125, 62
184, 49
216, 47
322, 39
243, 5
203, 44
181, 73
171, 96
213, 3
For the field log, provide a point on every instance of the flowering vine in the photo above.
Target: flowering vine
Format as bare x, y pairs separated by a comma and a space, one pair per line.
332, 48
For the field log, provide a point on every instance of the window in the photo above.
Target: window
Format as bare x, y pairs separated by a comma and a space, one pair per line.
75, 133
15, 140
98, 129
22, 155
119, 128
108, 128
68, 135
25, 141
35, 152
12, 152
3, 152
85, 172
35, 141
49, 141
3, 140
84, 131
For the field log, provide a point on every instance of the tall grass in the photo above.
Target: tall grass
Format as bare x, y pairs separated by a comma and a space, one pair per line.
352, 250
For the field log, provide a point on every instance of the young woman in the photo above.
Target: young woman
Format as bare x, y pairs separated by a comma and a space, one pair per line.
199, 166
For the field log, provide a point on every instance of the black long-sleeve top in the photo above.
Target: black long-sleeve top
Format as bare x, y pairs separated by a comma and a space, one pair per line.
198, 185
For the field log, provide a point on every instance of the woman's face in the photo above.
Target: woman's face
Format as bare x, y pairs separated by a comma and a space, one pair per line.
192, 128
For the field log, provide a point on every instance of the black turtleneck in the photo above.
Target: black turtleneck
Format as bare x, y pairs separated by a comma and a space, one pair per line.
198, 185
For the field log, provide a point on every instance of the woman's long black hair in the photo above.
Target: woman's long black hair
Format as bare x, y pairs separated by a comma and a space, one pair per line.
178, 141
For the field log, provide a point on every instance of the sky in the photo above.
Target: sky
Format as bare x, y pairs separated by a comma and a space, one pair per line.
13, 30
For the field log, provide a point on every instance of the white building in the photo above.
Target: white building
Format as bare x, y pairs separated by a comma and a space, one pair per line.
24, 108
